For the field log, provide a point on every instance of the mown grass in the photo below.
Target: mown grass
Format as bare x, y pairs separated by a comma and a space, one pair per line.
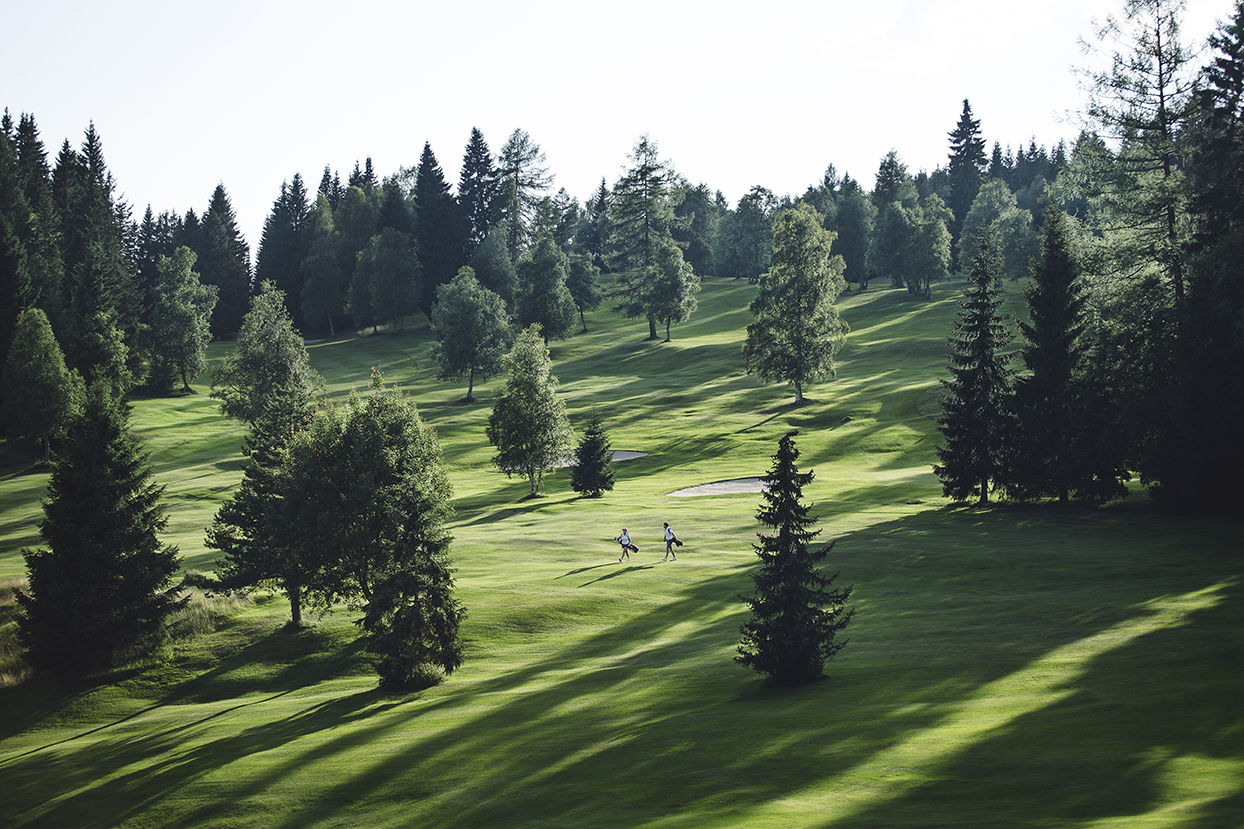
1026, 667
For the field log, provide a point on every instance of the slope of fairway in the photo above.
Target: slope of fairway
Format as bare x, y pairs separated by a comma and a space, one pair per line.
1019, 667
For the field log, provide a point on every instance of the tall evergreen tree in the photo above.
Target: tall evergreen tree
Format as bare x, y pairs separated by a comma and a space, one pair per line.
101, 590
797, 615
324, 288
40, 395
976, 420
440, 240
1054, 445
477, 190
224, 261
525, 176
640, 218
285, 243
967, 166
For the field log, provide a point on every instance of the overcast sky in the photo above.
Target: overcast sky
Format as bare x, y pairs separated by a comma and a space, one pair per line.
247, 93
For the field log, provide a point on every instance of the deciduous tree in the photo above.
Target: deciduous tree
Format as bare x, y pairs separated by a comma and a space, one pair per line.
472, 330
797, 330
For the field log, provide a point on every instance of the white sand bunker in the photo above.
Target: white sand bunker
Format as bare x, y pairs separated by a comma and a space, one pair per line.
730, 487
619, 455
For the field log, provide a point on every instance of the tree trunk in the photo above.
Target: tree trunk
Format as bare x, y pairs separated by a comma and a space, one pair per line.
295, 604
652, 327
798, 392
470, 384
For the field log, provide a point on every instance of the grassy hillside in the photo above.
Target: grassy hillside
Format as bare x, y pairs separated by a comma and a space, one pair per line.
1007, 667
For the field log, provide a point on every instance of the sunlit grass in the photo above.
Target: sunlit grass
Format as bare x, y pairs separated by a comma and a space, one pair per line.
1013, 667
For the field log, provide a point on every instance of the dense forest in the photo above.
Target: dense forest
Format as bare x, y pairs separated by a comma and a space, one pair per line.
1145, 202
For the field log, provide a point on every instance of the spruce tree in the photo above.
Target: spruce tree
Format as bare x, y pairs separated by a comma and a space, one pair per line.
966, 168
796, 614
101, 590
439, 240
976, 418
224, 261
477, 190
592, 473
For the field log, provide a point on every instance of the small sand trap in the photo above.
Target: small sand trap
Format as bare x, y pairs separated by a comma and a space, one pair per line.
730, 487
619, 455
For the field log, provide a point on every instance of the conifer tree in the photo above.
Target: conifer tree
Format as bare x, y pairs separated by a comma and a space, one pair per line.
40, 394
592, 473
439, 240
796, 613
477, 190
285, 242
976, 419
966, 168
323, 296
101, 590
224, 261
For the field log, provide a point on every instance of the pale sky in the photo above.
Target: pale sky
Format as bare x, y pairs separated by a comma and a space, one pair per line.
247, 93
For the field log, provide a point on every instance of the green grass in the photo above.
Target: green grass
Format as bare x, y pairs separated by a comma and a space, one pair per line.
1028, 667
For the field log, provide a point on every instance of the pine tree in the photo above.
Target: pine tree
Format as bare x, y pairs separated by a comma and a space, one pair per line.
224, 261
286, 241
323, 296
796, 616
966, 169
592, 473
440, 240
101, 590
40, 394
477, 190
525, 177
976, 418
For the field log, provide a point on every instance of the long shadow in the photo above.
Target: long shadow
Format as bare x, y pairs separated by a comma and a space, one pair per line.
945, 610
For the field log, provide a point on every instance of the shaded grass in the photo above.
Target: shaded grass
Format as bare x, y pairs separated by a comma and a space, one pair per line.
1021, 667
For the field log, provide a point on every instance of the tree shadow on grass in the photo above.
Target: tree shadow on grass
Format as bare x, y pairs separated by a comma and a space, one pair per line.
953, 606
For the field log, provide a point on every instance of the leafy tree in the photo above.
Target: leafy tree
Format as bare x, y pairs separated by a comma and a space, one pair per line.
472, 330
494, 268
925, 256
853, 222
674, 286
543, 297
364, 495
101, 590
748, 234
976, 419
797, 330
582, 280
697, 225
896, 225
995, 205
592, 473
355, 222
386, 284
528, 422
180, 321
967, 166
796, 614
323, 286
269, 370
640, 219
40, 395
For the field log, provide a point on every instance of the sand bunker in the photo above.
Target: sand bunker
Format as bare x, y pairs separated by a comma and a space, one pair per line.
730, 487
619, 455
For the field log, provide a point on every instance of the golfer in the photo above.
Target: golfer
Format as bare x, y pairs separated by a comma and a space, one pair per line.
625, 540
670, 539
